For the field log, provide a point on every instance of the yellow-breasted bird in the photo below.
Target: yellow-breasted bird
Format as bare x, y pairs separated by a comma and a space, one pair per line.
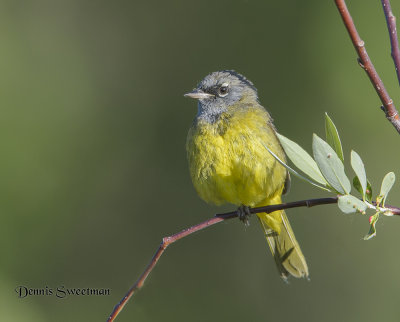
229, 163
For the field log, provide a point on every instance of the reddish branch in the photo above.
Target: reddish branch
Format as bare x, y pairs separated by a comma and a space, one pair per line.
215, 220
364, 61
394, 42
164, 244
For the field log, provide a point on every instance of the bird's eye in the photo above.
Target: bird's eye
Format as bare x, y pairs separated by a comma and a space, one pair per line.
223, 90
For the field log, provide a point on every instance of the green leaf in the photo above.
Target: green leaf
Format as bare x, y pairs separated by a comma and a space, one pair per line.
372, 230
359, 169
301, 159
332, 137
350, 204
294, 172
368, 192
330, 165
387, 184
357, 186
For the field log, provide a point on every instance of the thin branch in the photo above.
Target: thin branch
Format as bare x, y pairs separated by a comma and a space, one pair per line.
215, 220
364, 61
294, 204
164, 244
394, 41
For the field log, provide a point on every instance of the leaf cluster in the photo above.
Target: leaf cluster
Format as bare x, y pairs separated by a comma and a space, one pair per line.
326, 171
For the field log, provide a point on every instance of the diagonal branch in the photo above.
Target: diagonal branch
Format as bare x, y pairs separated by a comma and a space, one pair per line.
364, 61
164, 244
394, 41
215, 220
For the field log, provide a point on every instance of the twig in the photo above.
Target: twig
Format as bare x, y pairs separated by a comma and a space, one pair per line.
394, 42
215, 220
164, 244
364, 61
294, 204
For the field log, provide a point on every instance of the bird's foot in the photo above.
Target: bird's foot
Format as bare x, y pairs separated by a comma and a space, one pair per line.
244, 214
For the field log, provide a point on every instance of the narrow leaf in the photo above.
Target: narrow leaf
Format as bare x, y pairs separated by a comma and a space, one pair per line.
330, 165
387, 184
332, 137
294, 172
357, 186
372, 230
301, 159
350, 204
368, 192
359, 169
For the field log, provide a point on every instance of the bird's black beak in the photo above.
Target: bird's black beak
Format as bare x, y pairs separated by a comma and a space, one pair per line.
198, 94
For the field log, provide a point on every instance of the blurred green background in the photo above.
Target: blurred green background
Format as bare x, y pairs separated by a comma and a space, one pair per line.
93, 165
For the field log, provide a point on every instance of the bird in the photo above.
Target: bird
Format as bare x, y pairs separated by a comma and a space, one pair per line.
229, 162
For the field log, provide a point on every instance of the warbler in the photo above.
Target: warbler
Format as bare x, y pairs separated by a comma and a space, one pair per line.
229, 163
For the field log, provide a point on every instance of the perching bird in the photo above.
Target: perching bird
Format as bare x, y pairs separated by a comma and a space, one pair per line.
229, 163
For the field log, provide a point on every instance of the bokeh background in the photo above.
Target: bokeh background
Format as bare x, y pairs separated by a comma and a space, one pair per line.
93, 166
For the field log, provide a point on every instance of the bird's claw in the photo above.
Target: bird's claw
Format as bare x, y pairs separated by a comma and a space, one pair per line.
244, 214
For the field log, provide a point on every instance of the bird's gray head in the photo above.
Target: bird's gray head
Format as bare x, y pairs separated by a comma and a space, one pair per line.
219, 90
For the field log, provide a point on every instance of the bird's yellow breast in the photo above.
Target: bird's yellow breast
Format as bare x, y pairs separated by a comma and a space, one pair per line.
227, 159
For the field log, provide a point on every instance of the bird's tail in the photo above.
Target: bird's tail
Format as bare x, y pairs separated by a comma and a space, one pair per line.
283, 244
